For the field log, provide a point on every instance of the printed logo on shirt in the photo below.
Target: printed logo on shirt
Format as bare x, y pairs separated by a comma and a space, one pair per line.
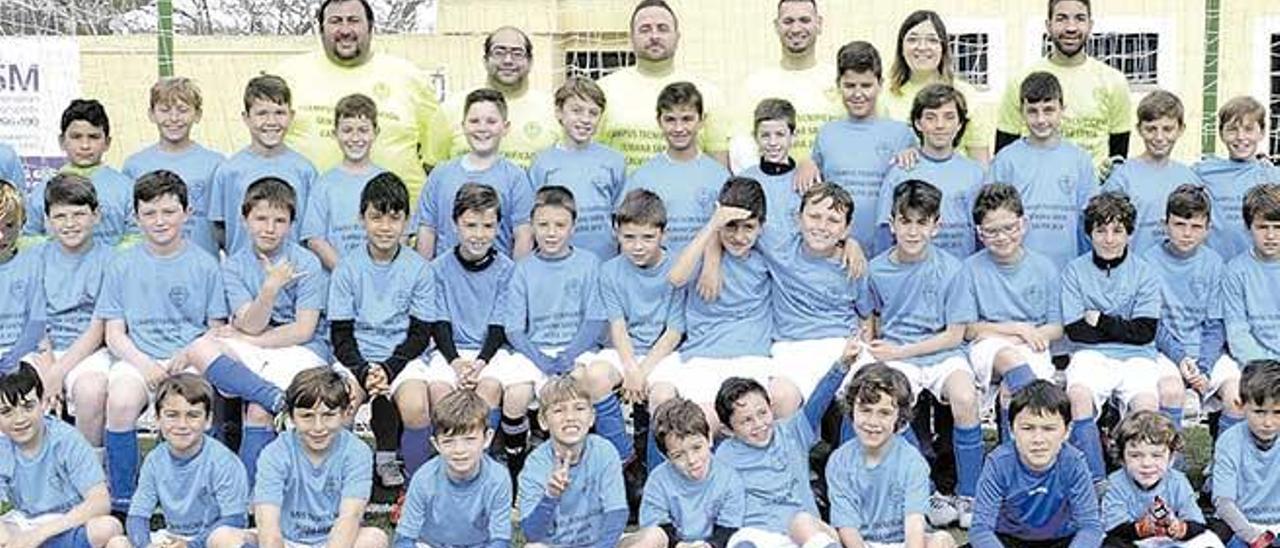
401, 299
532, 130
178, 296
18, 288
707, 199
1034, 296
381, 90
1067, 185
1198, 285
573, 290
885, 150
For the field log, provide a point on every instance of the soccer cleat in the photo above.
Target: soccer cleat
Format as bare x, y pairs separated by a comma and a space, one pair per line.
388, 473
942, 511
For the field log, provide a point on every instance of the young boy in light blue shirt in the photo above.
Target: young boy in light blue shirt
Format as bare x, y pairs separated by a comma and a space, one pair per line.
1054, 177
176, 106
267, 114
857, 152
594, 173
1241, 121
775, 126
1251, 315
1246, 462
1148, 179
331, 227
684, 177
152, 320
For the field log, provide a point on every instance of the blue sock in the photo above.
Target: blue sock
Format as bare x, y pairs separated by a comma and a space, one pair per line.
232, 377
122, 467
1084, 435
495, 418
1006, 429
1014, 380
1174, 414
1225, 422
967, 441
415, 446
846, 429
612, 426
653, 457
252, 441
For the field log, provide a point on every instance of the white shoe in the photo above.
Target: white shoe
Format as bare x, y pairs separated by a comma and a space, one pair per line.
964, 509
942, 511
388, 473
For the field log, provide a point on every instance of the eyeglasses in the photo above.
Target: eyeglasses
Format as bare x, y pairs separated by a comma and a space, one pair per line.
995, 231
928, 40
516, 54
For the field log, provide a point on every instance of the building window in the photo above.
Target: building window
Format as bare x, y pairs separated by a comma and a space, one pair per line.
1274, 97
1134, 54
595, 64
970, 54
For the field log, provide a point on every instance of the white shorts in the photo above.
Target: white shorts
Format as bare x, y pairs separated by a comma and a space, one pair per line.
768, 539
609, 356
699, 379
121, 369
164, 536
277, 366
1124, 379
502, 368
932, 377
415, 370
18, 522
97, 362
1204, 540
982, 357
804, 363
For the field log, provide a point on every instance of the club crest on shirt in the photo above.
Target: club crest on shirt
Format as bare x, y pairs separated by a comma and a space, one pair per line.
18, 288
178, 296
1198, 285
884, 150
401, 298
573, 289
1067, 185
707, 198
1034, 296
532, 130
381, 90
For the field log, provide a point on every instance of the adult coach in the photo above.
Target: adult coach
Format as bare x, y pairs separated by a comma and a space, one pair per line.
413, 133
508, 54
630, 122
1097, 112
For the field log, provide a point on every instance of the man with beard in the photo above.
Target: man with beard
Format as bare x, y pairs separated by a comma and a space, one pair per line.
413, 134
1098, 114
508, 55
629, 123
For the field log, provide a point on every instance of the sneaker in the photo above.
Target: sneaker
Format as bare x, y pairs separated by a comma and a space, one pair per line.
964, 508
942, 511
388, 473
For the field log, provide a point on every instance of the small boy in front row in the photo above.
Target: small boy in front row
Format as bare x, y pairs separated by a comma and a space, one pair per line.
1246, 462
1037, 491
462, 497
199, 484
1146, 499
688, 499
49, 476
878, 484
571, 489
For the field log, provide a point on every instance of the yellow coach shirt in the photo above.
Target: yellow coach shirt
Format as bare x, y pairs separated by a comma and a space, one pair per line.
979, 132
534, 127
630, 121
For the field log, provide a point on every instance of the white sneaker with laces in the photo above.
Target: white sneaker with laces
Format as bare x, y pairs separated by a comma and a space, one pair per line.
942, 511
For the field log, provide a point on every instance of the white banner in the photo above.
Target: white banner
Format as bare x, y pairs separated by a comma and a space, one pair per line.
39, 76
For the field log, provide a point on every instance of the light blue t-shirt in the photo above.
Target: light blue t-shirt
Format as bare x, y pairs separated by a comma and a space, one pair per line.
643, 299
70, 289
380, 298
959, 179
595, 489
1128, 291
1247, 475
1027, 291
1227, 182
233, 177
115, 203
782, 202
1250, 308
915, 301
857, 154
1191, 292
194, 492
694, 508
243, 274
171, 305
1055, 185
469, 301
309, 496
11, 169
813, 297
876, 500
595, 175
776, 476
1148, 186
689, 191
1126, 502
196, 165
56, 479
435, 204
333, 214
441, 511
550, 298
20, 280
740, 321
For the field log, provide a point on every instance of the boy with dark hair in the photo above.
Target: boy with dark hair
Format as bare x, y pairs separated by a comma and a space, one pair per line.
939, 116
1054, 177
379, 300
1251, 313
1246, 478
1147, 499
199, 485
877, 483
593, 172
687, 499
462, 497
331, 228
268, 112
484, 124
49, 477
176, 106
686, 178
1037, 492
774, 131
1148, 179
152, 320
858, 151
1241, 124
86, 137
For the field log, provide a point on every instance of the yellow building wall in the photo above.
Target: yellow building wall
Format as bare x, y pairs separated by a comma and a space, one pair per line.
722, 39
